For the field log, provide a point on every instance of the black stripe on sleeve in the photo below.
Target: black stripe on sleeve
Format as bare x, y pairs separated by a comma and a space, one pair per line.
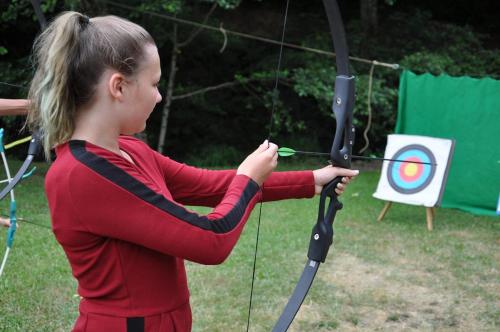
124, 180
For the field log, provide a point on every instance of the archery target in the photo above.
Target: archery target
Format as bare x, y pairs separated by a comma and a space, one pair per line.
417, 184
409, 178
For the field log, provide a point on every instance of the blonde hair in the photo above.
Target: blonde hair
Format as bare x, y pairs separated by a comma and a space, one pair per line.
70, 56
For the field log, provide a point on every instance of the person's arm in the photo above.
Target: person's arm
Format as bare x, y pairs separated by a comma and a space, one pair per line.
13, 107
110, 203
91, 198
201, 187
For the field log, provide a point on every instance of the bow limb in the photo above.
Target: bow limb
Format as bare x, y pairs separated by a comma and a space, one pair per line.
340, 155
33, 149
35, 141
12, 213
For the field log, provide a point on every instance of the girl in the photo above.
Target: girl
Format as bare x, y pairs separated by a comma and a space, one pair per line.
117, 207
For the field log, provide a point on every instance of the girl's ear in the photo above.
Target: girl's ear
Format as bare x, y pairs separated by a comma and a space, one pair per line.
116, 84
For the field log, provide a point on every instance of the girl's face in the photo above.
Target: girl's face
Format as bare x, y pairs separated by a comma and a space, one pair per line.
142, 93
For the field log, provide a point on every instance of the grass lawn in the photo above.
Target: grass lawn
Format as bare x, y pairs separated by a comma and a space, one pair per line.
393, 275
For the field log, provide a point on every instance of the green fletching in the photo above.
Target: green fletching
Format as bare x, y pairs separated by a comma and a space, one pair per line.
285, 152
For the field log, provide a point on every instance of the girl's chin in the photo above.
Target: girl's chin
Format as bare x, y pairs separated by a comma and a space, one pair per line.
134, 131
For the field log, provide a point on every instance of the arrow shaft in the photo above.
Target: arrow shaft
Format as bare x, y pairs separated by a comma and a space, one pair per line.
365, 158
395, 160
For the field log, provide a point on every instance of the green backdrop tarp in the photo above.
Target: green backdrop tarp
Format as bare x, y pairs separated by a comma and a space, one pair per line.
464, 109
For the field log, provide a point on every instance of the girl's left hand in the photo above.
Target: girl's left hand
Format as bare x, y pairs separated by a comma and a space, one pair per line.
326, 174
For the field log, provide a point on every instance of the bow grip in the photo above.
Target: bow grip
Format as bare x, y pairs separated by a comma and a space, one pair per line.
343, 104
322, 232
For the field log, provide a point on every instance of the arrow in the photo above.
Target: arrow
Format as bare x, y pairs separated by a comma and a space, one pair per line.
28, 221
288, 152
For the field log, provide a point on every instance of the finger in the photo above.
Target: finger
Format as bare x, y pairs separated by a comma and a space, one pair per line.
263, 146
274, 164
347, 172
272, 148
275, 160
340, 186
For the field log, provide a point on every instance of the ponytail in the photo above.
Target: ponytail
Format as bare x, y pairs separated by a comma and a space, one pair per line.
70, 57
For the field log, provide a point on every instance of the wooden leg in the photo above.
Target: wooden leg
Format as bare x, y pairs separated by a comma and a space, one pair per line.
384, 211
430, 216
433, 209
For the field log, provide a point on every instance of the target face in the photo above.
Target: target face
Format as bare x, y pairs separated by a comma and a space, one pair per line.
410, 178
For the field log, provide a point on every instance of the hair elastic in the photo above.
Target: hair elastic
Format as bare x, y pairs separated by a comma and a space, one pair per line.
84, 21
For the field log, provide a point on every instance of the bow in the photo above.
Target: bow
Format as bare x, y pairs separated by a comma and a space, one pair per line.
12, 210
33, 149
35, 140
13, 206
340, 155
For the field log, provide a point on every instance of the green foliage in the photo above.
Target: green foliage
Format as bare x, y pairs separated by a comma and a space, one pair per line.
161, 6
215, 156
383, 107
482, 63
17, 9
431, 62
412, 38
315, 80
445, 53
226, 4
421, 44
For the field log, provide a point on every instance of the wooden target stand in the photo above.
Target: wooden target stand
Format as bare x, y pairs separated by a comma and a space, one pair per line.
430, 213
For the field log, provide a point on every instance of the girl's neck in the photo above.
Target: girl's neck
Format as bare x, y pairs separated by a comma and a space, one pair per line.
93, 126
107, 143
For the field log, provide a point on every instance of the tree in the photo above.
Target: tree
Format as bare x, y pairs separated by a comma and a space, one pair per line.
369, 16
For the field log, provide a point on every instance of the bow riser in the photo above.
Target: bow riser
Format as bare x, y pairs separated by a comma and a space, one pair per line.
340, 155
343, 105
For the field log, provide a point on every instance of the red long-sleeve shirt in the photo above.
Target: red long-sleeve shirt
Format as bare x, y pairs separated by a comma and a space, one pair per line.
126, 232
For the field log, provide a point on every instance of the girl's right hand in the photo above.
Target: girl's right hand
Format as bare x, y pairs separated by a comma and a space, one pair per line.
260, 163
